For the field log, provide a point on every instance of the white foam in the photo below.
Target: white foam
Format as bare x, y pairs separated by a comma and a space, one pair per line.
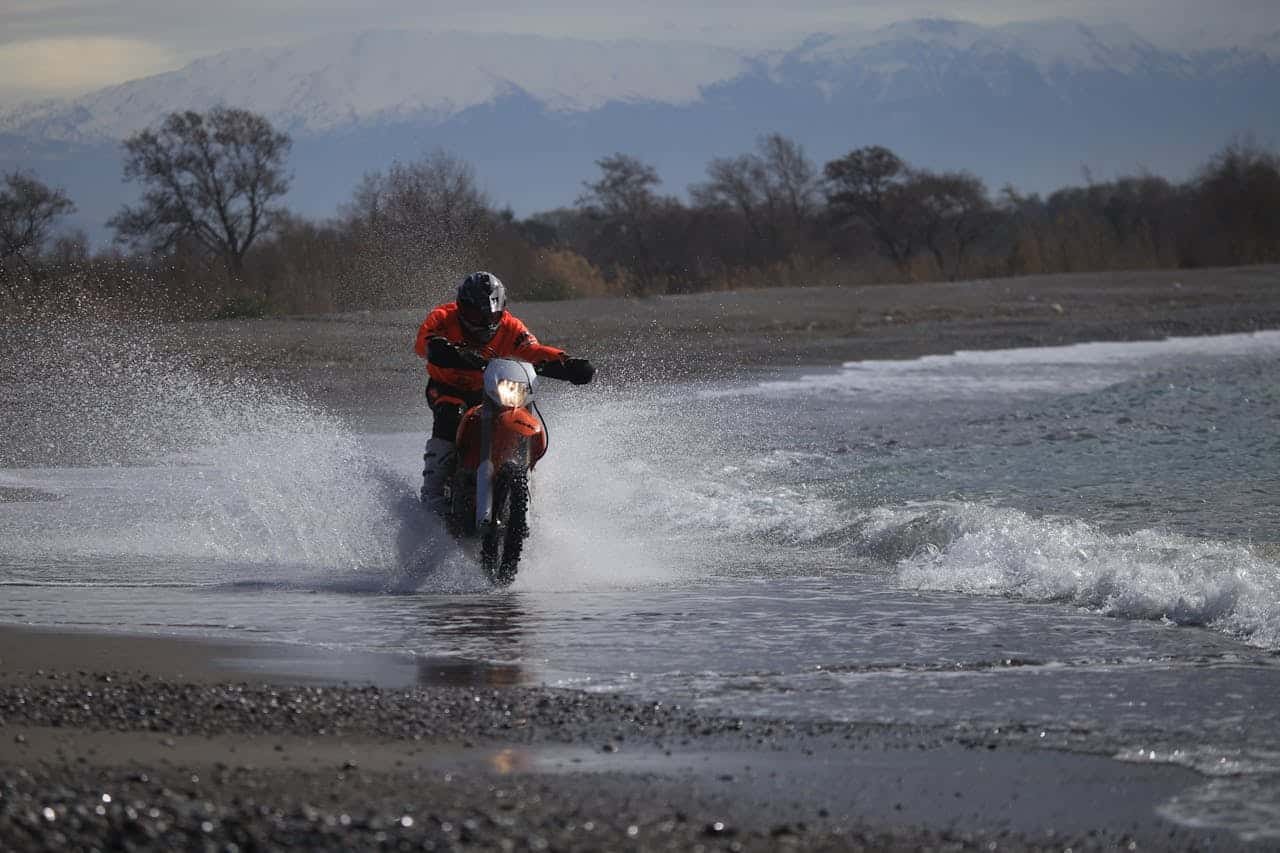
1032, 370
1148, 574
1248, 806
1208, 759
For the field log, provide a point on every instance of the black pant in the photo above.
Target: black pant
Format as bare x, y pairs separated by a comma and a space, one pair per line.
445, 414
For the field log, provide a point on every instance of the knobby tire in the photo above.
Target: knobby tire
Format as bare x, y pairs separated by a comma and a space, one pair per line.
500, 549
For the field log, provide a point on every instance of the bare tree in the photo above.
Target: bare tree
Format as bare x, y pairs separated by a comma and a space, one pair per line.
772, 190
435, 198
28, 210
622, 203
869, 185
624, 189
741, 184
421, 224
1238, 190
953, 214
210, 178
792, 177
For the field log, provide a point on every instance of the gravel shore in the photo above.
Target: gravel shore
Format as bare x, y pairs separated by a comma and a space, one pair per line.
141, 756
363, 363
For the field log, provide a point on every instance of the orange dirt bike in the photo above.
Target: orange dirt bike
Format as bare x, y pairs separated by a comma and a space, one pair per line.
499, 442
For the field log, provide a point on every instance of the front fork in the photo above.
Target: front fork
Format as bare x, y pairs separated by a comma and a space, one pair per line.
484, 472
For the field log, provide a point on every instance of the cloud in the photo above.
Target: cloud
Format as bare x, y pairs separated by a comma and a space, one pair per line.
54, 67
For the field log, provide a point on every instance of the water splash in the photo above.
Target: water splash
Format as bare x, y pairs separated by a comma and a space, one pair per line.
636, 491
192, 473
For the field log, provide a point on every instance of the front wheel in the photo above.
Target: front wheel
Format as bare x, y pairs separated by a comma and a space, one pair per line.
502, 543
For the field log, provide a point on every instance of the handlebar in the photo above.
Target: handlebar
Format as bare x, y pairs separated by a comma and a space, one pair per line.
444, 353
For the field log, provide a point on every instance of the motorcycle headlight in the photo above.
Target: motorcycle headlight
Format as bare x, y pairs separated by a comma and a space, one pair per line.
512, 394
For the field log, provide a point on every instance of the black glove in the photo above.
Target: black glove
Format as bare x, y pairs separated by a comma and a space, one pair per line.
579, 371
440, 351
576, 370
472, 360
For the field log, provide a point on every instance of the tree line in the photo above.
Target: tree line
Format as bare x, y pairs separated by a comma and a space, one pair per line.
208, 235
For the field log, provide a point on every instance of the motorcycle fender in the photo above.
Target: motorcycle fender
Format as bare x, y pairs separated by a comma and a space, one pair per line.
517, 437
510, 428
520, 421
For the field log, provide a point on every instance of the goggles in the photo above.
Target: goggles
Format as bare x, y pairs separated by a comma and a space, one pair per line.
477, 316
477, 320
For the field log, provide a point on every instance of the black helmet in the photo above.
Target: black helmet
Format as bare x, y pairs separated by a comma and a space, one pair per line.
482, 300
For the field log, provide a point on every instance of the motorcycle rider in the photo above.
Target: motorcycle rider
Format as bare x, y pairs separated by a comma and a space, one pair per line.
457, 338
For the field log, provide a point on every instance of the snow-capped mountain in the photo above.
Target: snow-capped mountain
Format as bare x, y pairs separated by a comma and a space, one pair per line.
380, 76
1025, 103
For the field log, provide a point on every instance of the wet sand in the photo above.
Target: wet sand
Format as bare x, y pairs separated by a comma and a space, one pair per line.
178, 743
161, 743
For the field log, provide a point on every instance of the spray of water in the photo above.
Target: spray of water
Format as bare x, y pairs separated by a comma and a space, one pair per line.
181, 466
191, 475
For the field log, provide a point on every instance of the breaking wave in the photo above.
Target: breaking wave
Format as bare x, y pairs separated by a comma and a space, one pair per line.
1148, 574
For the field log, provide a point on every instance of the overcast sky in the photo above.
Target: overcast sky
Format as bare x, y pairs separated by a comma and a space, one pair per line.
51, 48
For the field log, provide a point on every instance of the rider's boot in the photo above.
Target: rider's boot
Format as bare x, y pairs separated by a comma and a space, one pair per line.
437, 462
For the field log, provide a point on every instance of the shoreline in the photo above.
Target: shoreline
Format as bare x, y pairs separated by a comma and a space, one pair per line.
189, 747
332, 358
361, 365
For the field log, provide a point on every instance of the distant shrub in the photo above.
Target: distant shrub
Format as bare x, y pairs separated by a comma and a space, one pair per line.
564, 274
549, 290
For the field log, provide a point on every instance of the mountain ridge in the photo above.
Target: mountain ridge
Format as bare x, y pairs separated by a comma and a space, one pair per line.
334, 82
1029, 104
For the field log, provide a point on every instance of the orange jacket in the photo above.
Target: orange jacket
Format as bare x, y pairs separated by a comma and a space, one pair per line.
512, 340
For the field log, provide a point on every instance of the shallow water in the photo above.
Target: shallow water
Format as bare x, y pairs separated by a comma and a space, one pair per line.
1079, 546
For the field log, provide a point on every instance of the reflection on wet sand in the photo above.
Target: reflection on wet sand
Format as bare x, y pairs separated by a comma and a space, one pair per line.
437, 672
23, 494
506, 761
466, 635
498, 621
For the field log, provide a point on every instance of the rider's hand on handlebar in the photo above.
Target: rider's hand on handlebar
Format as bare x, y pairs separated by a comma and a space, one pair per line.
441, 351
576, 370
445, 353
471, 359
579, 371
